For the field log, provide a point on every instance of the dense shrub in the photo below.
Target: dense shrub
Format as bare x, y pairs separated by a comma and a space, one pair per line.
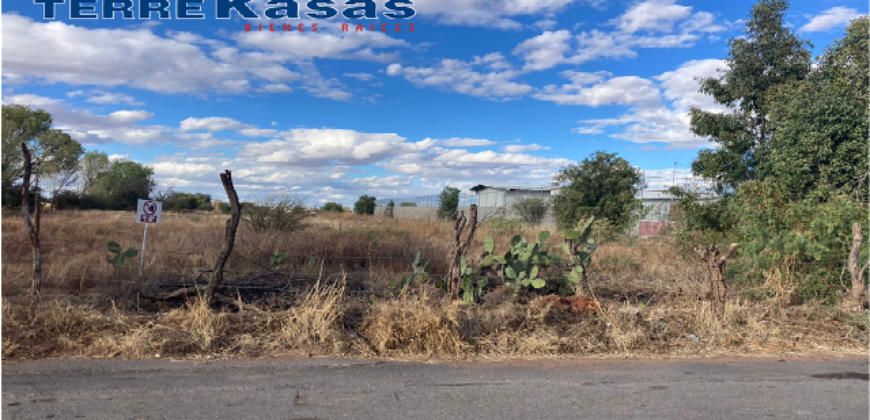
365, 205
531, 210
280, 211
333, 207
803, 244
602, 185
187, 201
448, 203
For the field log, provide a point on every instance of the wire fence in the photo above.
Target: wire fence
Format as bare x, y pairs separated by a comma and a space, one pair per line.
465, 200
656, 209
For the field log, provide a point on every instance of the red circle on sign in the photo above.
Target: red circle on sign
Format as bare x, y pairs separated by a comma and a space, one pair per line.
149, 207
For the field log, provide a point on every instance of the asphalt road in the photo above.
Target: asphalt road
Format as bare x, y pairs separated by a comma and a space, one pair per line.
835, 388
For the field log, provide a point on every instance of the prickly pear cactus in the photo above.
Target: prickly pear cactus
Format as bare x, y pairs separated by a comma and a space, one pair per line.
522, 263
278, 258
420, 275
472, 289
579, 249
120, 255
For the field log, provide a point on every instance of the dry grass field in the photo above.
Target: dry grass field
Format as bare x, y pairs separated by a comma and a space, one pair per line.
332, 297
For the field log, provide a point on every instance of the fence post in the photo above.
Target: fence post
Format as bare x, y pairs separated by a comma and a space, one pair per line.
229, 235
858, 296
715, 262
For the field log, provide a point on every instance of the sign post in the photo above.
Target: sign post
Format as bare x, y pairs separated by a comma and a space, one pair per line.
147, 212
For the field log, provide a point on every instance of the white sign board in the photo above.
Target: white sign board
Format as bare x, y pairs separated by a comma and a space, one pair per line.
148, 211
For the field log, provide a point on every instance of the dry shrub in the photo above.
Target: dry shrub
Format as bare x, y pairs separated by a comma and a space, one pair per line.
414, 327
315, 321
572, 304
58, 328
158, 341
535, 329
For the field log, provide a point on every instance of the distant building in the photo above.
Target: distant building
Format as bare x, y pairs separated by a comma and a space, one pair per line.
657, 204
657, 208
505, 195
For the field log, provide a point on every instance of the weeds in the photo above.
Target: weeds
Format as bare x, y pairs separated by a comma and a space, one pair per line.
647, 298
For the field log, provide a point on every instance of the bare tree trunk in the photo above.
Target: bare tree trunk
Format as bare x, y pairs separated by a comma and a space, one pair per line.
859, 287
715, 262
229, 236
463, 234
32, 225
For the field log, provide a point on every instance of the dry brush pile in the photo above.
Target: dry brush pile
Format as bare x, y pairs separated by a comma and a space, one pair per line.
647, 297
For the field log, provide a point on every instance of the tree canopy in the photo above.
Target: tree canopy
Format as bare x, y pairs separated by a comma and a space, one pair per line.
769, 55
53, 151
603, 185
792, 154
365, 205
123, 184
448, 203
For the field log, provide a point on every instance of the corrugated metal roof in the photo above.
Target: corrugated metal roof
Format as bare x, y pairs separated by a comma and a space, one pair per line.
482, 187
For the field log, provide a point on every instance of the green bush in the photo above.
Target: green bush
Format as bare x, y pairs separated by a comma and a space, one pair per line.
805, 242
333, 207
179, 201
448, 203
531, 210
602, 185
365, 205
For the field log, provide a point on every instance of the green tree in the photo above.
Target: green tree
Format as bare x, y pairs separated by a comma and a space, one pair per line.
448, 203
821, 123
602, 185
123, 184
365, 205
809, 165
93, 163
769, 55
54, 153
334, 207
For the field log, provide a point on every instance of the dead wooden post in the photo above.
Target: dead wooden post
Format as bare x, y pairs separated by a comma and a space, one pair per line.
859, 287
715, 262
229, 236
32, 226
463, 234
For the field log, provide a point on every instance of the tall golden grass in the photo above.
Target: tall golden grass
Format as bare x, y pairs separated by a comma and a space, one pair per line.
652, 295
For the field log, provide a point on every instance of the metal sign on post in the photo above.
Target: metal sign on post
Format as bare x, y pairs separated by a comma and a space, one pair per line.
147, 212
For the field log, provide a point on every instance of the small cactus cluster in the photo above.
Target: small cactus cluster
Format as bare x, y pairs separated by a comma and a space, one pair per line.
278, 258
521, 263
120, 255
420, 275
472, 289
579, 249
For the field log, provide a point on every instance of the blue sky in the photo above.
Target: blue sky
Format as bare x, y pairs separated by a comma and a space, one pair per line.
482, 91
